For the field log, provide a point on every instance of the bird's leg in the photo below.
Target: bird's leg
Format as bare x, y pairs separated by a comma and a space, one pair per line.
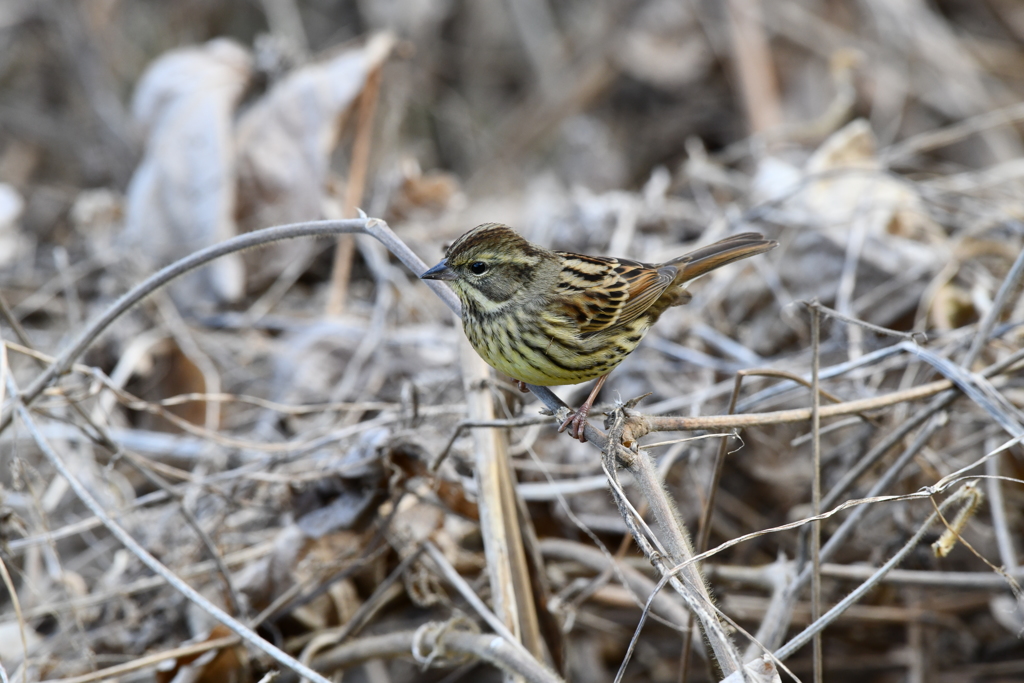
521, 384
578, 420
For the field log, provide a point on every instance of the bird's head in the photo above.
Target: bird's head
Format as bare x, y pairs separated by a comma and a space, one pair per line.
490, 265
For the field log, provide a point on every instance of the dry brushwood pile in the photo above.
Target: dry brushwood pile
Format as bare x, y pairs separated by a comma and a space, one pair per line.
241, 440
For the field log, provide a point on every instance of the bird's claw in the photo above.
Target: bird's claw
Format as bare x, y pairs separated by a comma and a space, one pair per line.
578, 422
522, 385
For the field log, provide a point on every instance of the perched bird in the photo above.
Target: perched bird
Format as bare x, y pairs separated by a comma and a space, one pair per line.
548, 317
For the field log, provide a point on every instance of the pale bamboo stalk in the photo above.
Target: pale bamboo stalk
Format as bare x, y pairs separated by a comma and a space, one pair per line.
511, 591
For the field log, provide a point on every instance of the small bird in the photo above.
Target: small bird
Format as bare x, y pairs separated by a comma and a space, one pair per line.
548, 317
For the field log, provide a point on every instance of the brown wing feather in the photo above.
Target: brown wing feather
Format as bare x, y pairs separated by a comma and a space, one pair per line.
646, 284
706, 259
599, 293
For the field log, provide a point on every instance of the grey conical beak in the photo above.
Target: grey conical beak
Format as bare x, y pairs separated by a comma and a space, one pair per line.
439, 272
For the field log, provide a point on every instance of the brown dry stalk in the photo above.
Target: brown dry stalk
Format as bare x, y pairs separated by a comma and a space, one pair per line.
752, 53
345, 250
645, 423
154, 659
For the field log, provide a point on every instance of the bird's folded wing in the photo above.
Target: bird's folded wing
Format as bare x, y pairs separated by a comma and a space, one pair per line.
598, 293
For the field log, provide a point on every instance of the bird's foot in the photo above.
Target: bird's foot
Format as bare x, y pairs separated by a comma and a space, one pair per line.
578, 420
577, 423
522, 385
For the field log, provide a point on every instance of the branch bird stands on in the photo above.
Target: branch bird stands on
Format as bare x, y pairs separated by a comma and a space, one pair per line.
548, 318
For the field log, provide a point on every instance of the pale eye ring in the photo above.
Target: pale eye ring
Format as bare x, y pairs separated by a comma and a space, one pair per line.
478, 267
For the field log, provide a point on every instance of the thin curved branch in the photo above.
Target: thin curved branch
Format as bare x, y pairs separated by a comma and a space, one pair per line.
166, 275
369, 226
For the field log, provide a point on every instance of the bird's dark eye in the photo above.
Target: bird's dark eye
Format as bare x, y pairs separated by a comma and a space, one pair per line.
478, 268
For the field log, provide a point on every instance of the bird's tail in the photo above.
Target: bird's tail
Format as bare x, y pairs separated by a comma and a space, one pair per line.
702, 261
